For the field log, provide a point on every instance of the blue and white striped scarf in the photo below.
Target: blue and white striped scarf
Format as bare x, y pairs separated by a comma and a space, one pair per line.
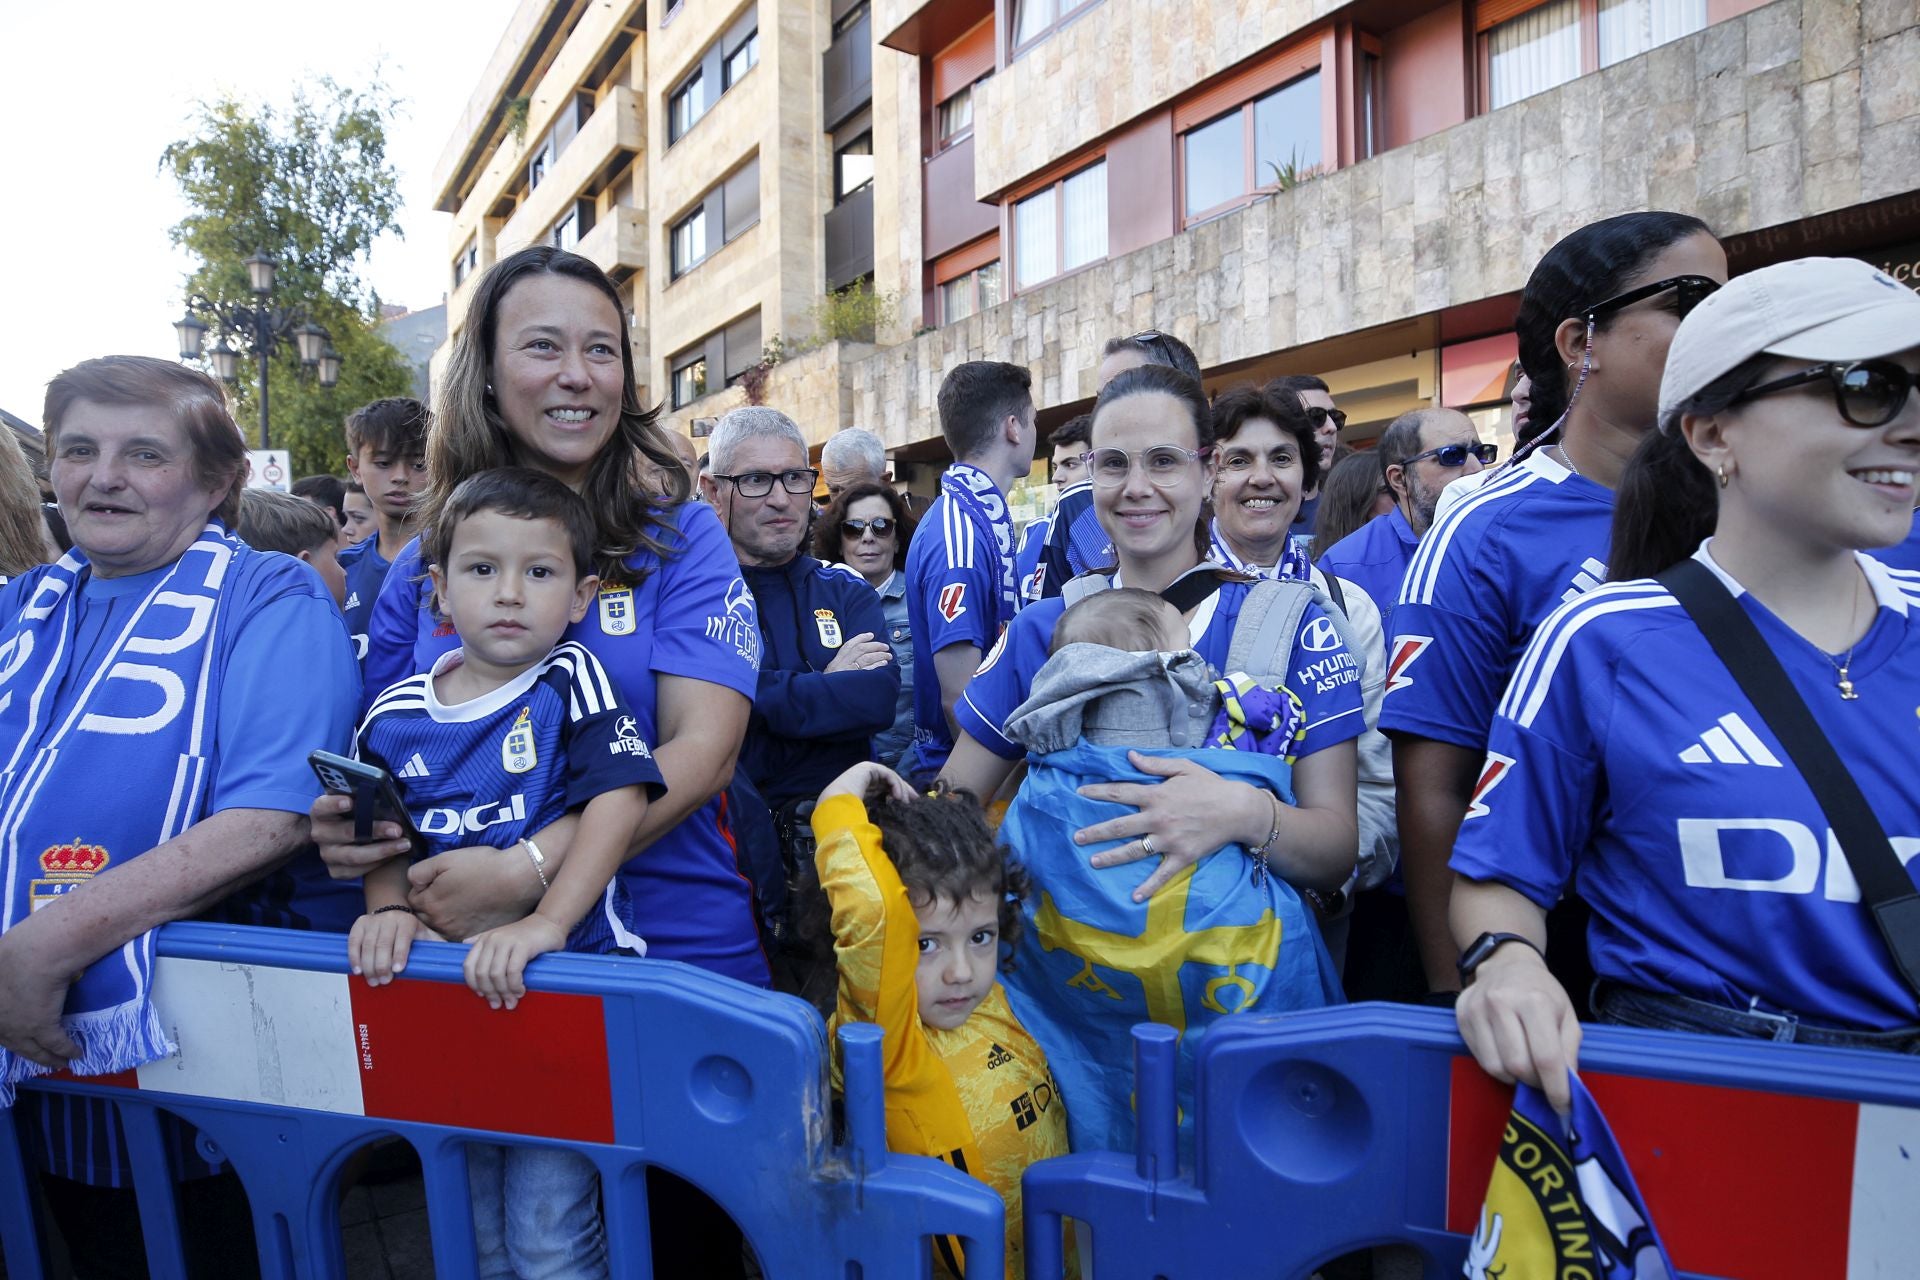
142, 713
1293, 565
974, 493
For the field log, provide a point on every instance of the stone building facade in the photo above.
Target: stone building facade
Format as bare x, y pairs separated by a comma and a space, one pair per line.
1792, 127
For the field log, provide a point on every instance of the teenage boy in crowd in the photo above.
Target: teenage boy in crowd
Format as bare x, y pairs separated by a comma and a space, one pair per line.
387, 457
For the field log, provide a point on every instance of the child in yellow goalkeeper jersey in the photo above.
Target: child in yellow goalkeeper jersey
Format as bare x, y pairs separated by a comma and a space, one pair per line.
924, 908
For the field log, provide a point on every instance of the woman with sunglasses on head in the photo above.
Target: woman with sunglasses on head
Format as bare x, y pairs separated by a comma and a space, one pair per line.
1594, 324
1151, 467
867, 528
1626, 755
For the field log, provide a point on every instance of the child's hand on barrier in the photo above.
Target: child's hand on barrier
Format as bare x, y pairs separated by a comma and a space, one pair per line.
380, 942
497, 961
856, 781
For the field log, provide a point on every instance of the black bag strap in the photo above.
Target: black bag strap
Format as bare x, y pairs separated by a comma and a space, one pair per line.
1884, 884
1186, 593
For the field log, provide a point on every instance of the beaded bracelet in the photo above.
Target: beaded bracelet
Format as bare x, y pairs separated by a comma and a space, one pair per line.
539, 861
393, 906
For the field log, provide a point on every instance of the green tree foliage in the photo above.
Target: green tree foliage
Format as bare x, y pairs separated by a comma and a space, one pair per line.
309, 184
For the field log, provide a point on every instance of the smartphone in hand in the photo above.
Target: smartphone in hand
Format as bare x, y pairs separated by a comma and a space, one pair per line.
375, 797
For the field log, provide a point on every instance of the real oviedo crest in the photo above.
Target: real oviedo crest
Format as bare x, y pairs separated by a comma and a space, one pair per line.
517, 754
828, 626
616, 611
66, 868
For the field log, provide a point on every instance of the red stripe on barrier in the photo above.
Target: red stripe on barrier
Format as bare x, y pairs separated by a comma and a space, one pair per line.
1739, 1182
118, 1079
433, 1052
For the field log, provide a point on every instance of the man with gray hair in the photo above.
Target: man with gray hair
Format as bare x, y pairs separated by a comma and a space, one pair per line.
850, 457
828, 683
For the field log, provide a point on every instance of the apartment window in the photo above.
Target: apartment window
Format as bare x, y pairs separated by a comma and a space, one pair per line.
1629, 27
975, 291
688, 104
467, 262
1061, 227
719, 67
1034, 20
717, 360
576, 222
689, 376
852, 167
1545, 46
721, 215
689, 241
953, 119
537, 166
740, 342
1231, 156
742, 59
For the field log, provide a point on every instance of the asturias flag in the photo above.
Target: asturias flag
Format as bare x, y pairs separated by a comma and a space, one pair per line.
1091, 963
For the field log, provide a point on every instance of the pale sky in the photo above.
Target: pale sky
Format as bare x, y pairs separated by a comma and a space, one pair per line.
92, 93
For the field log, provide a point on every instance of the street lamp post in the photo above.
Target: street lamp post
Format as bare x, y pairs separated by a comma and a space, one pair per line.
264, 326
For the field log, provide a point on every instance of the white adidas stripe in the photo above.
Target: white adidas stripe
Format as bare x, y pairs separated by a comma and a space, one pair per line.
1730, 741
1423, 573
1528, 689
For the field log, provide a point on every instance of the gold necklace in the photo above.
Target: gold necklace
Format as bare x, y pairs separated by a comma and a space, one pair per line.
1844, 681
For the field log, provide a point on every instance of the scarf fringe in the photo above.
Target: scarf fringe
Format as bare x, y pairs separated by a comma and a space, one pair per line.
110, 1040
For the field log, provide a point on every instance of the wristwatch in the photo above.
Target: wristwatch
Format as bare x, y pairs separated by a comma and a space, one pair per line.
1485, 945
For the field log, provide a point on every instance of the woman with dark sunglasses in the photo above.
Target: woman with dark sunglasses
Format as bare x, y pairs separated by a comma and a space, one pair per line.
866, 528
1626, 755
1594, 324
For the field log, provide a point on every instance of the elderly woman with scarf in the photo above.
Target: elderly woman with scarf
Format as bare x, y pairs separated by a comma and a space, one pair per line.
149, 655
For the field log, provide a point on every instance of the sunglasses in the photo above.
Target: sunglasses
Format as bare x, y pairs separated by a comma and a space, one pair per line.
1155, 339
1318, 417
1868, 393
1688, 293
1455, 455
882, 526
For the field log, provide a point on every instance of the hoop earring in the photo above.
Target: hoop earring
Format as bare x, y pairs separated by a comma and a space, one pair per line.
1723, 475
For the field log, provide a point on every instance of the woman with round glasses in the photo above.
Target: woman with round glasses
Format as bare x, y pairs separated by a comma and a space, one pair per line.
1625, 758
1151, 467
867, 528
1596, 316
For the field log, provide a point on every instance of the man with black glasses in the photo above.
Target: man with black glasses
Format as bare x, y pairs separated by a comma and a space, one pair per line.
1422, 452
1327, 421
828, 682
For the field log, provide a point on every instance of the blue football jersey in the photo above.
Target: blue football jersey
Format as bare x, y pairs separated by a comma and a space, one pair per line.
1319, 669
1500, 560
498, 768
690, 617
954, 579
366, 573
1625, 759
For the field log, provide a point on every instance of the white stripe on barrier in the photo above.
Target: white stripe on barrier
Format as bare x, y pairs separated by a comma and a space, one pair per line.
1883, 1229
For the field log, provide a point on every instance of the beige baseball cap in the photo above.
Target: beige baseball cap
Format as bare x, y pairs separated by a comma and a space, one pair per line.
1838, 309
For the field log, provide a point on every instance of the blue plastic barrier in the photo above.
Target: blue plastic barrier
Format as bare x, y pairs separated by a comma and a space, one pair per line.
1323, 1133
635, 1064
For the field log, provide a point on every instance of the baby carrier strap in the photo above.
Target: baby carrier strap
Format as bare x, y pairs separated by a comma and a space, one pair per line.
1262, 644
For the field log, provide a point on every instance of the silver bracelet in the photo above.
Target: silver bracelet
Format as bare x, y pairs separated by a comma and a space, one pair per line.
539, 861
1261, 854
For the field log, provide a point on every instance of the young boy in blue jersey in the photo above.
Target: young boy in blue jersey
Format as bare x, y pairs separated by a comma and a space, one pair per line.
387, 459
503, 736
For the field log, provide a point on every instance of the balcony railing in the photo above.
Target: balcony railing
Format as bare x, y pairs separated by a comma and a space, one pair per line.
847, 72
850, 238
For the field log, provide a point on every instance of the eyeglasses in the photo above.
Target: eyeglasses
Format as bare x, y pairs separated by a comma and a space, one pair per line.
1318, 417
758, 484
1868, 393
1688, 293
1455, 455
1164, 464
882, 527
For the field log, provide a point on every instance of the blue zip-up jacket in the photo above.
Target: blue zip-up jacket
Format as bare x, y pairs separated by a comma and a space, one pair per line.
808, 727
